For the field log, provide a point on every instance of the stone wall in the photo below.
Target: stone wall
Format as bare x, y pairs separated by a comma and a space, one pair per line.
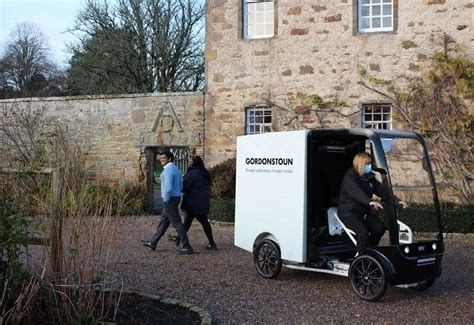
114, 131
316, 50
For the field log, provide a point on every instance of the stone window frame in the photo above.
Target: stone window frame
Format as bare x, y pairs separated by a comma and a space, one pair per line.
264, 126
241, 24
373, 123
355, 19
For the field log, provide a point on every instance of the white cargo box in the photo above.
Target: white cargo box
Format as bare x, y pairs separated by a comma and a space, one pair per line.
271, 191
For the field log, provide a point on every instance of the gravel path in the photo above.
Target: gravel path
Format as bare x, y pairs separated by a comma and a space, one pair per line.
225, 283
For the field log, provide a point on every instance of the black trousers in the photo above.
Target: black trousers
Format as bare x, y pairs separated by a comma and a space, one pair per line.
369, 230
202, 218
169, 216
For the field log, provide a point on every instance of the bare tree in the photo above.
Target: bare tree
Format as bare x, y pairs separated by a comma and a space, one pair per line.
23, 135
439, 106
303, 111
25, 67
148, 45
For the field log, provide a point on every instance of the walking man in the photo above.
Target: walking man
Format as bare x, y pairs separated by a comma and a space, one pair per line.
171, 187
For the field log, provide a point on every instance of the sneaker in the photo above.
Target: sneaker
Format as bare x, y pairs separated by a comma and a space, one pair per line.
149, 244
175, 239
186, 251
211, 247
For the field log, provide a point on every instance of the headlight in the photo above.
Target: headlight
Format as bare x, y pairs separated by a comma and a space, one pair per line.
407, 249
434, 246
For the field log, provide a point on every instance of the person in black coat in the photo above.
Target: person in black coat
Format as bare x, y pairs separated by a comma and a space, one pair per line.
196, 198
355, 202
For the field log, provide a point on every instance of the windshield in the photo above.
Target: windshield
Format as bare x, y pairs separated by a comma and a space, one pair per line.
411, 183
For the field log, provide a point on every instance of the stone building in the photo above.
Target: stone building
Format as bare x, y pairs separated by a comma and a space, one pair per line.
264, 57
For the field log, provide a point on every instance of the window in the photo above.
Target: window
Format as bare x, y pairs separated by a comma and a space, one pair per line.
377, 116
258, 119
375, 16
259, 18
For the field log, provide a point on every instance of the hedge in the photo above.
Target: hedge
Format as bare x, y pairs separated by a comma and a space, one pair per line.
420, 219
223, 180
222, 210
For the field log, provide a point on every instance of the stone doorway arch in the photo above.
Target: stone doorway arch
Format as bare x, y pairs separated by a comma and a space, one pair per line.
153, 171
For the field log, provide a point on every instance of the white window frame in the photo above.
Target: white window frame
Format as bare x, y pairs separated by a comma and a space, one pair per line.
378, 119
258, 111
370, 5
255, 9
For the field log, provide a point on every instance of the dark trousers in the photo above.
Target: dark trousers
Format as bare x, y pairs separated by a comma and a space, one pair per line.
202, 218
171, 215
369, 230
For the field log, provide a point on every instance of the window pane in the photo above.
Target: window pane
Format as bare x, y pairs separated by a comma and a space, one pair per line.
258, 119
259, 17
269, 17
269, 6
376, 10
251, 30
365, 22
375, 22
269, 29
365, 11
251, 8
260, 30
260, 7
375, 1
387, 22
365, 1
387, 1
387, 10
251, 18
376, 116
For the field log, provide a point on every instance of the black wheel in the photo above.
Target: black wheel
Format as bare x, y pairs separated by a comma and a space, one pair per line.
267, 259
423, 285
368, 278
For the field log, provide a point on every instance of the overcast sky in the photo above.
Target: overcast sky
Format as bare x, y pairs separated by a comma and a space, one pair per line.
53, 17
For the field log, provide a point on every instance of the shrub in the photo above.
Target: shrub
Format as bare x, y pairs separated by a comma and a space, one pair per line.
223, 180
125, 200
222, 210
133, 198
455, 218
13, 235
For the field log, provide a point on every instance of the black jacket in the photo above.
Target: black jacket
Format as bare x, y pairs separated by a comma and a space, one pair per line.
356, 193
196, 192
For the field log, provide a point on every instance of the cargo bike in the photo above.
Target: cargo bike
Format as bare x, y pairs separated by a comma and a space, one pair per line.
287, 190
